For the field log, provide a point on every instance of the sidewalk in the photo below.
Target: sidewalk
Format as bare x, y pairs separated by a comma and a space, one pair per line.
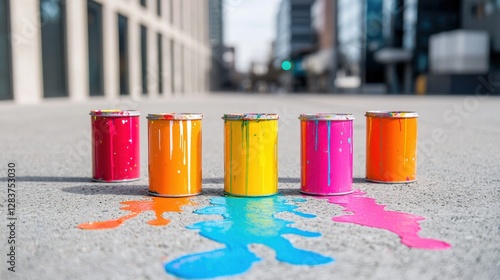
457, 193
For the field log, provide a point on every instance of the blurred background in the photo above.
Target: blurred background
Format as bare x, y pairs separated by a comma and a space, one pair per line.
80, 49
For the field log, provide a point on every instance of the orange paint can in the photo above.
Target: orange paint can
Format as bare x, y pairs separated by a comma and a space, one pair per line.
174, 149
391, 146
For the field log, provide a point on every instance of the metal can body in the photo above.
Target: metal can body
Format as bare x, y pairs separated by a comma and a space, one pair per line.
250, 154
175, 151
391, 146
115, 145
326, 153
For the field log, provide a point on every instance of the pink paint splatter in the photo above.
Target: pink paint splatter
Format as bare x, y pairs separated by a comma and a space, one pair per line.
366, 212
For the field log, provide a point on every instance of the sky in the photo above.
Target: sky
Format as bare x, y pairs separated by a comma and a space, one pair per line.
250, 26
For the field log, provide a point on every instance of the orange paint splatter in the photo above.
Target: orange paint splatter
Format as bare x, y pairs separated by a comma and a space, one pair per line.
158, 205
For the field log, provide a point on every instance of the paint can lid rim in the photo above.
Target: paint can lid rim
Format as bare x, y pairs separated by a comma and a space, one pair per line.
175, 116
326, 117
250, 116
392, 114
115, 113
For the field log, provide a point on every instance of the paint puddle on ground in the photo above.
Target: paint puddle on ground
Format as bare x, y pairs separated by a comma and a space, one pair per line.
366, 212
245, 221
158, 205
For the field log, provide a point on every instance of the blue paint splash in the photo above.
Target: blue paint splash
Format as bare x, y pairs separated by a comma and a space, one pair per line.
246, 221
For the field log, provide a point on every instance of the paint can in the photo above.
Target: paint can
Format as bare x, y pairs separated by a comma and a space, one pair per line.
326, 153
250, 154
391, 146
175, 150
115, 145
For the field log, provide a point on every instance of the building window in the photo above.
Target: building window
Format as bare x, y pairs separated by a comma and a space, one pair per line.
160, 62
5, 52
144, 59
123, 54
172, 66
143, 3
158, 7
53, 28
95, 44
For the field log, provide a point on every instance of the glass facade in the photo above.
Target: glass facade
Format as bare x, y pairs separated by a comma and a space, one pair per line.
350, 39
433, 17
5, 54
95, 48
53, 23
144, 59
123, 54
373, 72
159, 47
172, 66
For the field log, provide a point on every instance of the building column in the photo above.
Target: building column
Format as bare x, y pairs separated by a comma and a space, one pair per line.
167, 81
26, 43
111, 55
77, 42
134, 54
152, 57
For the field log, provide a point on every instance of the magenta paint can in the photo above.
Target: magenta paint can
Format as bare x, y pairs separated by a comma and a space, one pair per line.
115, 145
326, 153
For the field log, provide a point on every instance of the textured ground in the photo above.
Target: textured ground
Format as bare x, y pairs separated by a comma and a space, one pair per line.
458, 192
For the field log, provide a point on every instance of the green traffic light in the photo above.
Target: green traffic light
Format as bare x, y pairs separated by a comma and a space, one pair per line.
286, 65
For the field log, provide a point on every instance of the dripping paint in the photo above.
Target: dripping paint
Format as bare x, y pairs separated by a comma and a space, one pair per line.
115, 145
366, 212
135, 207
178, 170
245, 221
391, 146
326, 153
250, 154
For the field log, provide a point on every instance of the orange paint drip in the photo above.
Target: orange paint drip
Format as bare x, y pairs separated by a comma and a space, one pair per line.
391, 146
158, 205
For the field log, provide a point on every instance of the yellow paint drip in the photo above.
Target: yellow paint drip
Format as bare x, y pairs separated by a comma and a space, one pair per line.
250, 157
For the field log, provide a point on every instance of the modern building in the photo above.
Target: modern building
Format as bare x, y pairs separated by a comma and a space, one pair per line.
469, 62
321, 64
383, 45
359, 36
77, 49
216, 36
294, 39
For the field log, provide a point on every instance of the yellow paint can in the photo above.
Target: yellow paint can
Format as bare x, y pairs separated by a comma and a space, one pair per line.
250, 154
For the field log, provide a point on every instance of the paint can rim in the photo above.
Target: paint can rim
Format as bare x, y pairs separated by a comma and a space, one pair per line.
326, 117
114, 113
250, 116
115, 181
390, 182
392, 114
172, 195
326, 194
175, 116
245, 195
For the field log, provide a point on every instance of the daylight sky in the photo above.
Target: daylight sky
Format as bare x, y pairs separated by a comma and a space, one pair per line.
250, 26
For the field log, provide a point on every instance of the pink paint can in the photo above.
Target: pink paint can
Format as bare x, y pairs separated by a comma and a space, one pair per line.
326, 153
115, 145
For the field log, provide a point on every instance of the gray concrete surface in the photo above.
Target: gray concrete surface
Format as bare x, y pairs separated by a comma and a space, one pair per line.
457, 192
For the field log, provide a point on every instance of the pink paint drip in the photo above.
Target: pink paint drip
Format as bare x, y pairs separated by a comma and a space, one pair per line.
366, 212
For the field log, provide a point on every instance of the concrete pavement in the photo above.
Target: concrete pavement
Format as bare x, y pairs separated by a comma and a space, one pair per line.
458, 192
